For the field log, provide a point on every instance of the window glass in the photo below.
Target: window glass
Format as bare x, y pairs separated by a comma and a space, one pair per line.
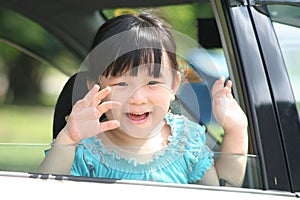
287, 27
200, 66
32, 74
202, 59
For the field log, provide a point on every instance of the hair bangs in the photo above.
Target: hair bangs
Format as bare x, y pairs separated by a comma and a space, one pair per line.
130, 42
148, 58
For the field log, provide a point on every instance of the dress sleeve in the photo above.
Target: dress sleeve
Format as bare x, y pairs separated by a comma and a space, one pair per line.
198, 155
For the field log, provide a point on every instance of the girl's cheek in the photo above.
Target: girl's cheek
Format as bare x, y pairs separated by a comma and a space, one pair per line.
120, 96
159, 91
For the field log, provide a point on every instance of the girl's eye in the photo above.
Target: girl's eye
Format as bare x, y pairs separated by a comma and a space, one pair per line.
121, 84
153, 82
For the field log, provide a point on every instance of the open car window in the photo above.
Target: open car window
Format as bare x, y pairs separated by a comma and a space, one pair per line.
26, 121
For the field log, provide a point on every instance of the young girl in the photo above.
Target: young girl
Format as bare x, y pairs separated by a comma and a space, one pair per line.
132, 79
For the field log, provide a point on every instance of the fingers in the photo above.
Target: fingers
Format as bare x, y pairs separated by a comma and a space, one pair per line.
91, 94
94, 96
228, 87
109, 125
100, 95
229, 84
82, 103
218, 85
83, 111
90, 106
105, 106
218, 88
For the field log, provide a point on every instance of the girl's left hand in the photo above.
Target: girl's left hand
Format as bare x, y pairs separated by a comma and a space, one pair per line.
226, 110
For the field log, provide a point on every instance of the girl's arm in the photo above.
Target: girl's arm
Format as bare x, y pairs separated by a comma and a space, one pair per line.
60, 157
82, 123
230, 165
232, 161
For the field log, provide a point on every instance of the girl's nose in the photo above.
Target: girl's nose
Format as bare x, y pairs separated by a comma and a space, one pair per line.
139, 96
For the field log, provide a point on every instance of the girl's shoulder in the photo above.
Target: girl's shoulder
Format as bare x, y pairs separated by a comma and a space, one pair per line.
181, 123
185, 131
92, 143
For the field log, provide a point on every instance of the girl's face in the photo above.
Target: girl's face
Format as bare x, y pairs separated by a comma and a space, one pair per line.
145, 100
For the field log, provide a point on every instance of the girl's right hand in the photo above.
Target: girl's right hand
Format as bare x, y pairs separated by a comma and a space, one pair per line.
84, 121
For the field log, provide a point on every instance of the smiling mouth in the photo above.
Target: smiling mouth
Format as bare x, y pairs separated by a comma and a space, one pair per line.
138, 117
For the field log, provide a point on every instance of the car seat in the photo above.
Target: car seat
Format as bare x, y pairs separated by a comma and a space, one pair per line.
74, 89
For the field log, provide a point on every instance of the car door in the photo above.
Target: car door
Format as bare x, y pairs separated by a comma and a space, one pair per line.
265, 90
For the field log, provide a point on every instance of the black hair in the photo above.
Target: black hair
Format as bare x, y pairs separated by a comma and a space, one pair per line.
127, 41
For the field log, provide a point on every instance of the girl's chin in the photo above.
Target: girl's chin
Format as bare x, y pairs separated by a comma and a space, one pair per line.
138, 131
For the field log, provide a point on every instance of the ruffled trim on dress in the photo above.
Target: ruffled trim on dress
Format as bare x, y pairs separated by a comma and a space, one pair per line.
161, 159
182, 144
112, 159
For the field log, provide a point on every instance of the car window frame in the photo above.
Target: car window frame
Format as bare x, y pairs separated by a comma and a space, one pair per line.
284, 101
264, 111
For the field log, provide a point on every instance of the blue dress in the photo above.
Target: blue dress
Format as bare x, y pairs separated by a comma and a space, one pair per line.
184, 160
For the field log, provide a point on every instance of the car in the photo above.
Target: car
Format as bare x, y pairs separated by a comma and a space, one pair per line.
255, 44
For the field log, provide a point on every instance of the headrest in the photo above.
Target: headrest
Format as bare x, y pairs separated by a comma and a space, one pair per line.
74, 90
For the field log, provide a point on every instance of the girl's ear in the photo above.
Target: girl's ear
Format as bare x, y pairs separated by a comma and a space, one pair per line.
176, 82
90, 84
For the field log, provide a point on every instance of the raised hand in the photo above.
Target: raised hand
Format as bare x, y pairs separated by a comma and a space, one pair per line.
84, 122
226, 110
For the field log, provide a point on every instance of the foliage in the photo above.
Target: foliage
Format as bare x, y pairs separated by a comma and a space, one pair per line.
182, 17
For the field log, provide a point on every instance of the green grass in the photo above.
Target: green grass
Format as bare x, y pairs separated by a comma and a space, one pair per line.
25, 132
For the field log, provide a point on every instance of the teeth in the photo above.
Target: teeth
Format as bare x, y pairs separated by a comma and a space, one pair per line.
137, 113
